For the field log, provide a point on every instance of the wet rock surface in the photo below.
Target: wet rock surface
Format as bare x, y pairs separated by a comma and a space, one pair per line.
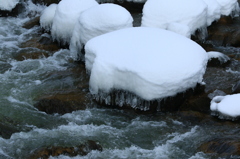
224, 147
14, 12
82, 150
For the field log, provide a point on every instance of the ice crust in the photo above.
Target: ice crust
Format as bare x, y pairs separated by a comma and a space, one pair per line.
194, 14
8, 4
47, 15
66, 16
228, 105
149, 62
96, 21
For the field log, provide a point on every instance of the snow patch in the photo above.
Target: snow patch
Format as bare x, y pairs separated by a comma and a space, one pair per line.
143, 61
96, 21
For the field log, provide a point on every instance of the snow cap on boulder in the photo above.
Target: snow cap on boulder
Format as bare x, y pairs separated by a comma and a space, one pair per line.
96, 21
149, 62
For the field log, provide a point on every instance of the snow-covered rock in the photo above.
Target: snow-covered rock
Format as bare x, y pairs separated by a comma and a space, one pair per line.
161, 14
149, 62
228, 6
8, 4
195, 14
96, 21
213, 11
66, 16
47, 15
222, 58
228, 106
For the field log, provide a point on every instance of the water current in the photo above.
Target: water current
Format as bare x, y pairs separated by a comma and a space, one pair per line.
121, 133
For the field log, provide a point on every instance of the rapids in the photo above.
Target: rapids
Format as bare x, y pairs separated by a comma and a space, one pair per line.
121, 133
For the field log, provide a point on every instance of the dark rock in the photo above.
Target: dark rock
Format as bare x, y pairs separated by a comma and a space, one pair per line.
62, 103
224, 32
198, 102
6, 130
31, 23
71, 98
41, 46
82, 150
45, 2
14, 12
224, 147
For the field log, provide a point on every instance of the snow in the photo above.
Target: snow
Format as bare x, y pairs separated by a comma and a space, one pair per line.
228, 105
8, 4
152, 63
47, 15
96, 21
66, 16
220, 56
159, 13
194, 14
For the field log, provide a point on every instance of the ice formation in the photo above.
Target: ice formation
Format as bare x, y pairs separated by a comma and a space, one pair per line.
98, 20
228, 105
194, 14
66, 16
218, 55
149, 62
47, 15
8, 4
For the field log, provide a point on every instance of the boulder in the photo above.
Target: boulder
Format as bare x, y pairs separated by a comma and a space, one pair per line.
46, 2
223, 147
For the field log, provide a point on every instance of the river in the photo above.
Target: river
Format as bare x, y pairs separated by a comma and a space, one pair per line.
121, 133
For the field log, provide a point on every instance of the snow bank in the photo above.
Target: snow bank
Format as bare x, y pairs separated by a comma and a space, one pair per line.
228, 105
96, 21
47, 15
151, 63
195, 14
8, 4
66, 16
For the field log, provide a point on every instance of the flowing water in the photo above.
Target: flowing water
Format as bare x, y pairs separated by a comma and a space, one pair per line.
121, 133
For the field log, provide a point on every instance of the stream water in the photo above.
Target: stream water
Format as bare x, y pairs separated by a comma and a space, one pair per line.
121, 133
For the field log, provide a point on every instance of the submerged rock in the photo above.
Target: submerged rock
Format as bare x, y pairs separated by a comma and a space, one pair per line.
54, 151
62, 103
222, 147
46, 2
236, 88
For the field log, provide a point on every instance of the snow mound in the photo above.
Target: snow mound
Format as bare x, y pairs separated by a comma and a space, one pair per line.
8, 4
47, 15
195, 14
218, 55
66, 16
149, 62
96, 21
159, 13
228, 105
